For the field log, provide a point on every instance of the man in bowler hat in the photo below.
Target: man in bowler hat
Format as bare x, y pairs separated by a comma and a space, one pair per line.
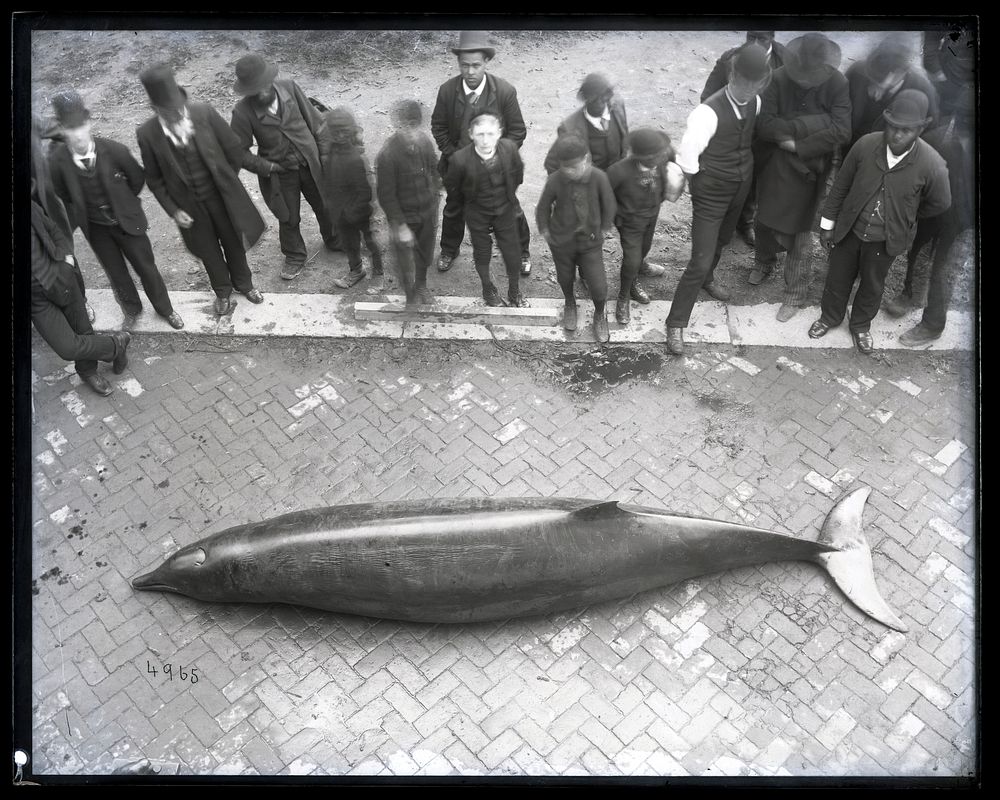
805, 116
717, 160
887, 179
99, 182
276, 113
192, 160
472, 92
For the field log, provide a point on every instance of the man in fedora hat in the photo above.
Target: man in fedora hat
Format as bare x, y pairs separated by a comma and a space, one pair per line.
99, 182
192, 160
716, 157
874, 82
887, 179
472, 92
717, 79
58, 305
276, 113
641, 182
805, 116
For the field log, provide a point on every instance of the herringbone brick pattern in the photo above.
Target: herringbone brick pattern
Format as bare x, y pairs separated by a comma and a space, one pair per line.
758, 671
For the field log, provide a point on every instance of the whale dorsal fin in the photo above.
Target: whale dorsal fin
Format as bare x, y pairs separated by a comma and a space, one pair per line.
605, 510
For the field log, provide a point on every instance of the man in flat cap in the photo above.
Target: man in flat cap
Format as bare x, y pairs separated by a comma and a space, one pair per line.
276, 113
716, 157
459, 100
887, 179
805, 116
99, 182
718, 79
192, 161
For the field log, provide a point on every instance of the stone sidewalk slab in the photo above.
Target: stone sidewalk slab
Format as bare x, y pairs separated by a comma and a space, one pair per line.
712, 322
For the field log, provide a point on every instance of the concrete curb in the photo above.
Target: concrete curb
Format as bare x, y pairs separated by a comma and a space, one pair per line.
332, 316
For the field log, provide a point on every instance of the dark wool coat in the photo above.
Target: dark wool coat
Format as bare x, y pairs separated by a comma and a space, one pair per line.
446, 119
220, 147
790, 186
407, 179
461, 178
556, 213
866, 114
576, 123
347, 183
719, 76
917, 186
119, 174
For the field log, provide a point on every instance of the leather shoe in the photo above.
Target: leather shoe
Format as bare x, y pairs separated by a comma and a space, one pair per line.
129, 321
445, 262
638, 293
254, 296
918, 335
819, 329
122, 338
175, 321
651, 270
569, 316
601, 332
675, 341
747, 235
786, 312
349, 279
623, 311
526, 265
715, 290
757, 276
423, 296
898, 305
98, 383
224, 305
517, 300
291, 271
492, 297
863, 341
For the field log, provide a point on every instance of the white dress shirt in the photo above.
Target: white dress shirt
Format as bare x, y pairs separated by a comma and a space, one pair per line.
91, 154
182, 133
596, 121
702, 123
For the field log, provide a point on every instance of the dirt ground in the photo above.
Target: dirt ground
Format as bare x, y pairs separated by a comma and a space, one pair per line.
659, 74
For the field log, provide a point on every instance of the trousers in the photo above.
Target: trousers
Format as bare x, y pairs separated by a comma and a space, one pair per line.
214, 239
850, 259
504, 228
351, 234
588, 255
412, 260
112, 246
636, 236
941, 231
294, 184
453, 228
798, 262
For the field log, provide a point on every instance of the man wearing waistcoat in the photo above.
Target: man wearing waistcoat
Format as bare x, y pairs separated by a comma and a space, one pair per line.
716, 158
459, 101
887, 180
99, 182
192, 160
719, 77
276, 113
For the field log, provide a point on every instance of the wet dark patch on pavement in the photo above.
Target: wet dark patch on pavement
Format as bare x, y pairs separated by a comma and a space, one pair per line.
597, 370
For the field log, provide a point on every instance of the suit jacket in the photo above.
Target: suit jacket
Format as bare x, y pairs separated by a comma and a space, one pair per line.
916, 187
461, 178
576, 123
446, 119
223, 153
719, 75
119, 174
300, 123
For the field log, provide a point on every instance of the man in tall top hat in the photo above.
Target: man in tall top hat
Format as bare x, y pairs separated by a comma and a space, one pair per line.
805, 116
459, 100
192, 160
99, 182
276, 113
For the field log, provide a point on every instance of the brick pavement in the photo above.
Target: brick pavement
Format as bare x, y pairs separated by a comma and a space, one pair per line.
759, 671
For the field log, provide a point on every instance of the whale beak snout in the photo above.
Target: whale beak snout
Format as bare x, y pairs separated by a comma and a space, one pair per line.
151, 580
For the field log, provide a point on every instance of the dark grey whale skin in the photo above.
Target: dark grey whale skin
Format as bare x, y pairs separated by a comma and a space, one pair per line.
464, 560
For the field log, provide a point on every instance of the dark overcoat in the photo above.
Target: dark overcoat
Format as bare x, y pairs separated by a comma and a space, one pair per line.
576, 124
449, 110
222, 152
461, 178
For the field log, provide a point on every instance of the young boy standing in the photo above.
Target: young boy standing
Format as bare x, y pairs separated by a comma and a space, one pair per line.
484, 177
576, 208
641, 183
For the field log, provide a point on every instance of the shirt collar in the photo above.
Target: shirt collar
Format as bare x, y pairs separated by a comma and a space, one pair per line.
478, 91
892, 160
91, 153
184, 130
596, 121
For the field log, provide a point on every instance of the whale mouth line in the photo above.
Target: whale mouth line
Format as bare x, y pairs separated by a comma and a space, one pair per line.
152, 582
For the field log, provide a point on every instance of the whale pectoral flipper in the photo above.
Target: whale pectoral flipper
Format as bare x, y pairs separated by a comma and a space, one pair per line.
606, 510
850, 565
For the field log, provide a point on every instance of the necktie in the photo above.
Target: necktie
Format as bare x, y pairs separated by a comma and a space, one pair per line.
88, 162
604, 124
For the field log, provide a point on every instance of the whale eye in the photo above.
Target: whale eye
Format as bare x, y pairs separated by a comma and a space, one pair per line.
195, 558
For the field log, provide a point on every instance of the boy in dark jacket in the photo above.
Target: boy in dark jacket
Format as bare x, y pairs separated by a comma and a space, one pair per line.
576, 208
408, 185
349, 189
484, 177
641, 183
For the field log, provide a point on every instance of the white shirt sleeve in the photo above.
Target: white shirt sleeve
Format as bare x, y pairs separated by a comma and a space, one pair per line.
702, 124
825, 224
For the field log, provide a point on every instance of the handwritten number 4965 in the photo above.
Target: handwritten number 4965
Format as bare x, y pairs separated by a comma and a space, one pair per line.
168, 670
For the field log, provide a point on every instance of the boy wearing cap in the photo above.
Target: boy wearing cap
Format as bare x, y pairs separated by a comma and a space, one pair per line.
641, 183
99, 182
575, 210
716, 158
348, 185
192, 161
276, 113
887, 179
460, 99
483, 177
805, 116
408, 184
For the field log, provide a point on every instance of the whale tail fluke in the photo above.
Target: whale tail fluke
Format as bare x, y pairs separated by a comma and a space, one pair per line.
850, 565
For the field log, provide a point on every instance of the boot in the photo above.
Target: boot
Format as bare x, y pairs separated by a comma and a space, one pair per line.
638, 293
623, 311
569, 316
350, 278
675, 341
121, 338
492, 296
601, 332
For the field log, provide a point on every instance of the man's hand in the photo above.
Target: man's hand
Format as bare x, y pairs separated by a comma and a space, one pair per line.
70, 259
787, 144
547, 235
405, 235
274, 168
183, 219
826, 239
